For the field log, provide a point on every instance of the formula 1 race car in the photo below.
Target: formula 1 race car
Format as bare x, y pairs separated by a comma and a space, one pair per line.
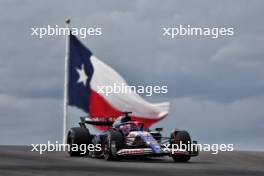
127, 138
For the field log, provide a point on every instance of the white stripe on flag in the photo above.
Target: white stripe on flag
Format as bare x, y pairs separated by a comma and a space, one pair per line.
104, 75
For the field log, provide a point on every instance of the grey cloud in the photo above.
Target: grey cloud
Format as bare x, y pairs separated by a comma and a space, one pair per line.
222, 75
240, 122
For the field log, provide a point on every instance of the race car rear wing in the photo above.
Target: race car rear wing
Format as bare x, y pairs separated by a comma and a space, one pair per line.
86, 120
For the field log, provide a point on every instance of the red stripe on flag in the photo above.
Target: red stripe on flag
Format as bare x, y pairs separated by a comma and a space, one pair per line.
99, 107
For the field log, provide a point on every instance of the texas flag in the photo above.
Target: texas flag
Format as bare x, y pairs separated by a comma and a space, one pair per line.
87, 73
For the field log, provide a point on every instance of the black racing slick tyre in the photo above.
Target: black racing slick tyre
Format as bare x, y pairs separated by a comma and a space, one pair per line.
76, 139
113, 142
183, 137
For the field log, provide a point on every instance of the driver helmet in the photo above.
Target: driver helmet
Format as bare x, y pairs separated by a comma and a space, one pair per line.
125, 128
120, 120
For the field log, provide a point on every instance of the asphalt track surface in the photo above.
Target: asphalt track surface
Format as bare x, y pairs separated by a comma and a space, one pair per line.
19, 160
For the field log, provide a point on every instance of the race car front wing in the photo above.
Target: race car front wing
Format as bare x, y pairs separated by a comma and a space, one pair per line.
149, 151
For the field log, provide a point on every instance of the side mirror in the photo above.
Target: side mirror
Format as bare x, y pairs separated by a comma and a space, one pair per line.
159, 129
142, 126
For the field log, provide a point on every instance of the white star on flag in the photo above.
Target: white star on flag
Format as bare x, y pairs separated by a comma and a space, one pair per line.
82, 75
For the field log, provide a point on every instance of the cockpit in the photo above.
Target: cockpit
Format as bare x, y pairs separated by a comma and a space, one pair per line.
120, 120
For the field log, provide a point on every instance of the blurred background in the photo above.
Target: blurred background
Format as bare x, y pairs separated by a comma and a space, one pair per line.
215, 86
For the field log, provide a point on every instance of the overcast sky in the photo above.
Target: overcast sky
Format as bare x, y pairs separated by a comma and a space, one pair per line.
216, 86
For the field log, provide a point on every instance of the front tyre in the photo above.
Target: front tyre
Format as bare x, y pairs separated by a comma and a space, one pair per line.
182, 137
112, 143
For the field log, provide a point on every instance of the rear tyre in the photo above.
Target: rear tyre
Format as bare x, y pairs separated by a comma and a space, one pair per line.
78, 136
112, 143
184, 138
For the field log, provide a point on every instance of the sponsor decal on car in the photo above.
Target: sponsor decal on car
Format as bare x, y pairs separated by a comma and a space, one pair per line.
130, 151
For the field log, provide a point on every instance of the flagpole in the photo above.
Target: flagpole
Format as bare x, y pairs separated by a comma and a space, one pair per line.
66, 82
